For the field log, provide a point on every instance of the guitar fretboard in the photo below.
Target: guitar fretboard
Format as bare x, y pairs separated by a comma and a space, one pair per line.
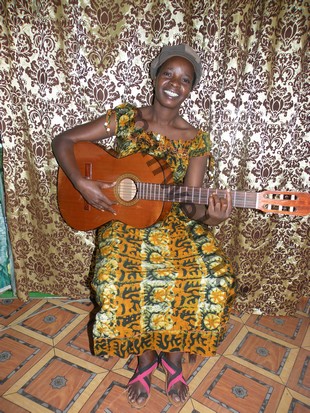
176, 193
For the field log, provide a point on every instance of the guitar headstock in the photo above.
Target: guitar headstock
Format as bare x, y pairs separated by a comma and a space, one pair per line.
284, 202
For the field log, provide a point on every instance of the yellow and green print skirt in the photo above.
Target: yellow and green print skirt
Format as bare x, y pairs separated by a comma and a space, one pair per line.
165, 288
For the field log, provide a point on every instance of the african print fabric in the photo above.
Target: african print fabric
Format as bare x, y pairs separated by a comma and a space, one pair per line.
167, 287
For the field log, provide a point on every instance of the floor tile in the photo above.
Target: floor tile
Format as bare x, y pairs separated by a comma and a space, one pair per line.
235, 388
297, 406
18, 353
266, 355
7, 406
56, 385
299, 379
49, 322
289, 329
304, 305
293, 402
11, 309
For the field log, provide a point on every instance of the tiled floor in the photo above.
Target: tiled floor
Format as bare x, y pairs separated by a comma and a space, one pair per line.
46, 365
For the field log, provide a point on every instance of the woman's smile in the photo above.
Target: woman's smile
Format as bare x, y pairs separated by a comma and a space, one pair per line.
171, 93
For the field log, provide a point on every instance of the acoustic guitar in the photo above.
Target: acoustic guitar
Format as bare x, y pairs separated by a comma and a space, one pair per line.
142, 178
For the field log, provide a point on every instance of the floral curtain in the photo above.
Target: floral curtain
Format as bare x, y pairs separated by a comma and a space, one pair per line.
65, 62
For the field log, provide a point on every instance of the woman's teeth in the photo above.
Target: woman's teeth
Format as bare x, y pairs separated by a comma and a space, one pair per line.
171, 94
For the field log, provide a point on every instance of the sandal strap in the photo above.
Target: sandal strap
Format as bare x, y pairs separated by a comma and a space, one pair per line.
174, 371
174, 380
141, 375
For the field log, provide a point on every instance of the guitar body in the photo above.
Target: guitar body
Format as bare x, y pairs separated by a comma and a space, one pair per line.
97, 164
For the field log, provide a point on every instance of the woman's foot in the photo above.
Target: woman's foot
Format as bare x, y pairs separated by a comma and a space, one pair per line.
140, 384
176, 386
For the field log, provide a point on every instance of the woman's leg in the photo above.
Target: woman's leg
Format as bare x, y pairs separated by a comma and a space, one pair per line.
137, 392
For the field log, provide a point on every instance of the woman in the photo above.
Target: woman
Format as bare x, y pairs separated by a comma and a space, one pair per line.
166, 289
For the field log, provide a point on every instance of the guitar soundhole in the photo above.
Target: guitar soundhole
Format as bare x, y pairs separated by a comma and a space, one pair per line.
126, 190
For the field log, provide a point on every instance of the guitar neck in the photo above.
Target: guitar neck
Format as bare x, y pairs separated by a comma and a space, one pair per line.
193, 195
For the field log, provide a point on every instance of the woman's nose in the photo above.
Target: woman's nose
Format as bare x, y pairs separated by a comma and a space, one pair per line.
174, 81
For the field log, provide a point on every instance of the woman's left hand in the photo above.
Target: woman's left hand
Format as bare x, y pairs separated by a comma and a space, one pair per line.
219, 208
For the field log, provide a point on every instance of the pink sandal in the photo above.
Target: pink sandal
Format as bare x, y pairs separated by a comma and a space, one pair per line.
175, 375
141, 375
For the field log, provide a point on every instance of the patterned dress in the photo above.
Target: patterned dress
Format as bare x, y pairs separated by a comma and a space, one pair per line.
167, 287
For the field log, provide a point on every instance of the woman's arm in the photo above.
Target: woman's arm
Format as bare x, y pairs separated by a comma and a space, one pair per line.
63, 145
218, 209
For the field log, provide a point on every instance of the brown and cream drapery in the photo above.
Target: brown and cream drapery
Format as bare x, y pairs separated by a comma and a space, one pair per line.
66, 62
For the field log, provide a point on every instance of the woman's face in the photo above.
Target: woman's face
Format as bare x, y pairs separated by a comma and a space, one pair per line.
174, 81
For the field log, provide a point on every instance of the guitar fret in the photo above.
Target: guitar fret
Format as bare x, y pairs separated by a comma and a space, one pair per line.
184, 192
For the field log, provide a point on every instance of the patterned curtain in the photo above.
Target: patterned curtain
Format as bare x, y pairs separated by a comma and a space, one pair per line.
66, 62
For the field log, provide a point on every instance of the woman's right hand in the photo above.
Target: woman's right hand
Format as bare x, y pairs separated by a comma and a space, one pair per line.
92, 192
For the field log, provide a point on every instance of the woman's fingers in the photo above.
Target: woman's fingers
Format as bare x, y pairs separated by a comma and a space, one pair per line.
221, 206
97, 197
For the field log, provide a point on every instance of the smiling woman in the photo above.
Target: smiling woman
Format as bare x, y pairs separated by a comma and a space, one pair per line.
65, 63
165, 289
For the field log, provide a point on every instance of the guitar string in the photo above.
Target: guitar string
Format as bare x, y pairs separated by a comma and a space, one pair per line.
183, 193
161, 192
